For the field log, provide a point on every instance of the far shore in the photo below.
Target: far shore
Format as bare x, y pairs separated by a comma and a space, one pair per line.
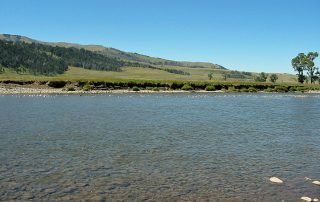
13, 90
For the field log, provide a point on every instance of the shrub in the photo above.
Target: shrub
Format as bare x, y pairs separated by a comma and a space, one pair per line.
186, 87
269, 90
273, 78
135, 88
155, 89
210, 88
244, 90
71, 88
292, 89
232, 89
176, 85
87, 87
301, 88
281, 89
56, 84
252, 89
1, 69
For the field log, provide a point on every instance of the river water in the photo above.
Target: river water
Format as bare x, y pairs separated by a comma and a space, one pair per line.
159, 147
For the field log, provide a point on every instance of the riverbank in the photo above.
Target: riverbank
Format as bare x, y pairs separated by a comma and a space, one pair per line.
14, 89
146, 86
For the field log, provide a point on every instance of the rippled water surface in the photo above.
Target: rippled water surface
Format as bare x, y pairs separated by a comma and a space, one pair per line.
159, 147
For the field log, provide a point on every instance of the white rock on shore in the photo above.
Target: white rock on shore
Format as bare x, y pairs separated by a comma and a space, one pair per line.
304, 198
276, 180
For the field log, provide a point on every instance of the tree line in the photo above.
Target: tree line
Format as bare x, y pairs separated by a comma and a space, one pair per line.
45, 59
49, 60
23, 56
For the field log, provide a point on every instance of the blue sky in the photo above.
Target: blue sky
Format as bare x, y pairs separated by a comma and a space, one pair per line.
249, 35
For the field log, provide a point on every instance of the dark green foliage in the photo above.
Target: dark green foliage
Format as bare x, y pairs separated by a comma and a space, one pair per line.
49, 60
71, 88
244, 90
155, 89
175, 71
198, 85
310, 66
232, 89
281, 89
269, 90
302, 88
35, 58
176, 85
236, 75
57, 84
262, 77
136, 88
87, 87
85, 59
187, 87
304, 62
210, 88
292, 88
1, 69
273, 78
252, 89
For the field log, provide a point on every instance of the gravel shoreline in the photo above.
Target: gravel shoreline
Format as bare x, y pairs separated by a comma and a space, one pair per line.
24, 90
5, 90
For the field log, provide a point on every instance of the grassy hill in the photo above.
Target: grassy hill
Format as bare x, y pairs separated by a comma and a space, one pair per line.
115, 53
132, 66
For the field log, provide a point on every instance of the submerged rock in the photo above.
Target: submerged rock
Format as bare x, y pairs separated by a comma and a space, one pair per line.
276, 180
304, 198
316, 182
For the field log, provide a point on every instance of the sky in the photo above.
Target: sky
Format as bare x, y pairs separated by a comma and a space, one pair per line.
246, 35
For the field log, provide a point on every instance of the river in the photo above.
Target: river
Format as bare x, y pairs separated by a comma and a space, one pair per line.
159, 147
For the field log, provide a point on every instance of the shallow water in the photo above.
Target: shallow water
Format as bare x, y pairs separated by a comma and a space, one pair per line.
159, 147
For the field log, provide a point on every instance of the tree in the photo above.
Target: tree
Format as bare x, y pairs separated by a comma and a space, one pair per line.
273, 78
262, 77
305, 62
310, 66
298, 64
210, 75
317, 75
224, 76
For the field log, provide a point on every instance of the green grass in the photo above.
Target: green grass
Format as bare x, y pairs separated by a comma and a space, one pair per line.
136, 73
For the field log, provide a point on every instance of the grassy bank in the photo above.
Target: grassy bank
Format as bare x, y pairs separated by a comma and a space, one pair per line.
160, 85
152, 79
138, 73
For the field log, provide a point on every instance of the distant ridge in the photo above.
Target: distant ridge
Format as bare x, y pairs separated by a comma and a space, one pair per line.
115, 53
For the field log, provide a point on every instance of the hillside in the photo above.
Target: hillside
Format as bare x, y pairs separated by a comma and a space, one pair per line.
49, 60
23, 58
115, 53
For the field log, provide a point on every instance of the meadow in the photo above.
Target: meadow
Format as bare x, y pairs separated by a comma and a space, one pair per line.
139, 73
